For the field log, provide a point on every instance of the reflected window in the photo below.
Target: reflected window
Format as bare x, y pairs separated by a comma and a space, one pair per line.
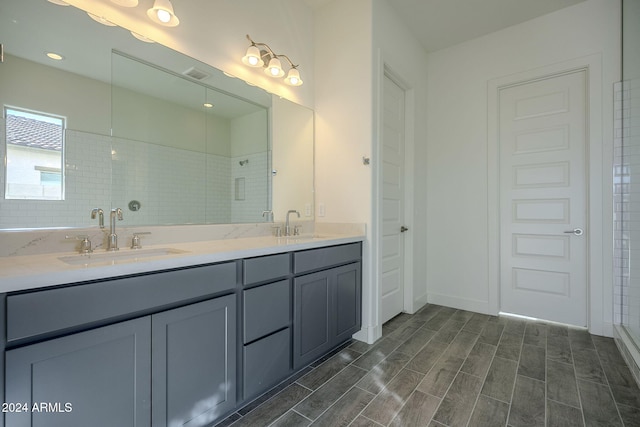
35, 144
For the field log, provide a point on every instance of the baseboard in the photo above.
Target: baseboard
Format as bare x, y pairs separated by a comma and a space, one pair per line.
368, 334
420, 302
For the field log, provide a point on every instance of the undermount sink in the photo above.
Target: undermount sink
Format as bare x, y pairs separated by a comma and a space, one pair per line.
122, 256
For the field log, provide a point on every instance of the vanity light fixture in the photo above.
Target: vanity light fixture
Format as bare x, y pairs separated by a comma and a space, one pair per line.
259, 54
162, 13
207, 105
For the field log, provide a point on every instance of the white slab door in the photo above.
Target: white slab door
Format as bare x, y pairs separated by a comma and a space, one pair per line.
543, 199
392, 251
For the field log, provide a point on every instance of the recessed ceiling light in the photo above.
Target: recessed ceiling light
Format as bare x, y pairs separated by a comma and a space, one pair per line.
54, 56
208, 105
101, 20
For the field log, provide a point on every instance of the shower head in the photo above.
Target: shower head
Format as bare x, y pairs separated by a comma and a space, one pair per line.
243, 162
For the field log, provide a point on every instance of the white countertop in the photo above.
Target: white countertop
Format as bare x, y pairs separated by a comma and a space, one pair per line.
35, 271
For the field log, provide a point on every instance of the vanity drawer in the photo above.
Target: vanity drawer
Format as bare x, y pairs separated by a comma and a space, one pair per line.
266, 362
314, 259
266, 309
270, 267
46, 311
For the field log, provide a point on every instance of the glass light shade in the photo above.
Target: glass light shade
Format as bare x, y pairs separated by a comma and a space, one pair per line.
293, 78
252, 57
101, 20
162, 13
126, 3
274, 69
141, 37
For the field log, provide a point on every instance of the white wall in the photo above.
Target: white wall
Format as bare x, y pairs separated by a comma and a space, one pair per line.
458, 262
344, 125
360, 38
292, 132
404, 58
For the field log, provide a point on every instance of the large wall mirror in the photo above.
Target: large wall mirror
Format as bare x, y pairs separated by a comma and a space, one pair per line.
119, 122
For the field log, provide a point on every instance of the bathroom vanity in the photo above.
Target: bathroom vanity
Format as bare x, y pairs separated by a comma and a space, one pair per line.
185, 345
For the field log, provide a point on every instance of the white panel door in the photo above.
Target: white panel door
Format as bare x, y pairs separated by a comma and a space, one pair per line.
543, 196
392, 251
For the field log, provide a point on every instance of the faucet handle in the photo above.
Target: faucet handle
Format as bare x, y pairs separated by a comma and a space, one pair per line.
135, 241
85, 243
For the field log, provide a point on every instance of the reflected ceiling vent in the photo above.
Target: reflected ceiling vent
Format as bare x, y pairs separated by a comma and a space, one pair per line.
195, 73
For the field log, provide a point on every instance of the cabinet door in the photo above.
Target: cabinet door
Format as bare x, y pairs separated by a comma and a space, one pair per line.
95, 378
311, 327
348, 301
194, 363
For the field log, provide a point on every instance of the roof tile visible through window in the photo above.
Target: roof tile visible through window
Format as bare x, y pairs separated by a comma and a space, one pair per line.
28, 132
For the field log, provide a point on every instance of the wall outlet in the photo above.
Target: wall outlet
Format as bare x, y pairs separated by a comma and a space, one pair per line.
321, 210
307, 209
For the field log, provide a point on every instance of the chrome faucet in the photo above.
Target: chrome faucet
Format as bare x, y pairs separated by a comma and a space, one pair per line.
287, 227
112, 244
100, 213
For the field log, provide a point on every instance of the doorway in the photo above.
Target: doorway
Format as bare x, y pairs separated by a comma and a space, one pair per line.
392, 256
544, 198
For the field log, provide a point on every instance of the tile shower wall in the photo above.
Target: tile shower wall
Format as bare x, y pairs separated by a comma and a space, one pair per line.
621, 203
175, 186
252, 176
169, 184
627, 214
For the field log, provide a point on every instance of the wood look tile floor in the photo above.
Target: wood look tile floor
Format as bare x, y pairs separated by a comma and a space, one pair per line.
446, 367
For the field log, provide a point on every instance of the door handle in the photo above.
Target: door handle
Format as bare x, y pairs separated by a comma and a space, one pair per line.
575, 231
403, 229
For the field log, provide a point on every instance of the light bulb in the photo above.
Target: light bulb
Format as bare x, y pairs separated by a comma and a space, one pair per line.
163, 15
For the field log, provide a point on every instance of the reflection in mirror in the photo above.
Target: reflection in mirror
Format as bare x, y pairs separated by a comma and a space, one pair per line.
184, 152
292, 134
137, 167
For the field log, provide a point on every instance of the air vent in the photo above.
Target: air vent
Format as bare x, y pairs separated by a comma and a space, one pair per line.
194, 73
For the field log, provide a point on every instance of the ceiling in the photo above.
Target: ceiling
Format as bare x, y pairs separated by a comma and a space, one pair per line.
438, 24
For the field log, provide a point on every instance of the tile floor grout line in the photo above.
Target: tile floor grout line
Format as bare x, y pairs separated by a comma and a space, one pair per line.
484, 378
515, 379
546, 372
575, 373
606, 378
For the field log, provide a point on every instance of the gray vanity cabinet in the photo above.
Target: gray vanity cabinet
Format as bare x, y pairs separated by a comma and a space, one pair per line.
327, 303
184, 347
267, 322
100, 377
194, 363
